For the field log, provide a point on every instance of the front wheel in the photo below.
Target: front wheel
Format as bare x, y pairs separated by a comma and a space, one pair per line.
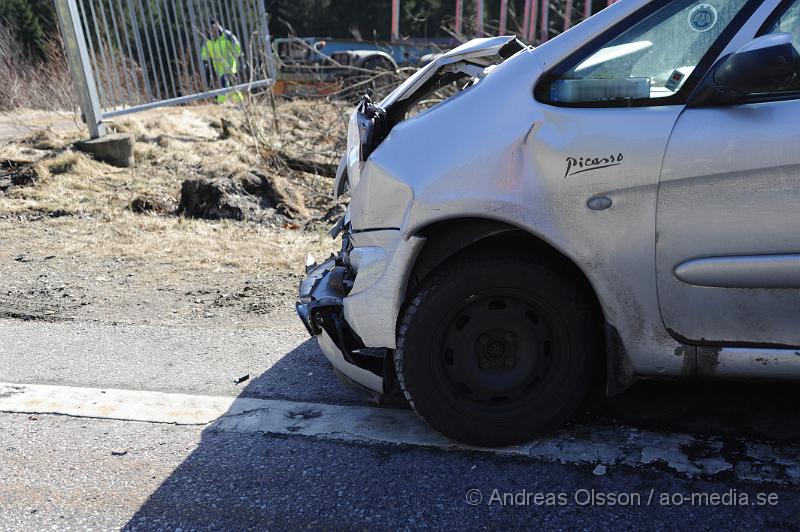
495, 350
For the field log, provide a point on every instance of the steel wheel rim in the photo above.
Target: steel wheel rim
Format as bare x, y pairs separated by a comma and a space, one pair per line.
496, 351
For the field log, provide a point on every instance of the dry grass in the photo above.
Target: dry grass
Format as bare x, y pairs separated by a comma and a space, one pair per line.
48, 140
186, 245
33, 85
312, 130
69, 182
172, 145
87, 203
68, 163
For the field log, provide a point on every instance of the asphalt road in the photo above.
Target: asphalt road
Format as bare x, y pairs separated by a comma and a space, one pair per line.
70, 472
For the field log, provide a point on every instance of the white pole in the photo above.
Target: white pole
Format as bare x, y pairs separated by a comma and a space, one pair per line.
79, 66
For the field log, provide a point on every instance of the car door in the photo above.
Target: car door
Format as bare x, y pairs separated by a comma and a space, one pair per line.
728, 225
610, 108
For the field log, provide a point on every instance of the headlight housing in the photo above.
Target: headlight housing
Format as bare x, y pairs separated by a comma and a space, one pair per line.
361, 138
355, 147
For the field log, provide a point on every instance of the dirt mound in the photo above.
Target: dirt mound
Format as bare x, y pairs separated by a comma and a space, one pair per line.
152, 205
244, 196
288, 199
18, 174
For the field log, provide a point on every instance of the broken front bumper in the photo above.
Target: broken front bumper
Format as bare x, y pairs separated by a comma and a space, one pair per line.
320, 308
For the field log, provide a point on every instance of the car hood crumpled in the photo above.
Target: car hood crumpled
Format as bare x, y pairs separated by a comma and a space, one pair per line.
480, 52
470, 59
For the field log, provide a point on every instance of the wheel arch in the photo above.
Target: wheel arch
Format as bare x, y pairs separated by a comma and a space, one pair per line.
448, 239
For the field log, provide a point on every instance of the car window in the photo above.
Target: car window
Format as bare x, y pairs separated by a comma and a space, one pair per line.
650, 60
787, 22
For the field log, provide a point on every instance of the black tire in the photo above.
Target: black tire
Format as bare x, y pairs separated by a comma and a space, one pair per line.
494, 350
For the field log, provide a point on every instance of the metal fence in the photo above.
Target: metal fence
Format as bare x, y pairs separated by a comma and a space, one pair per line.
132, 55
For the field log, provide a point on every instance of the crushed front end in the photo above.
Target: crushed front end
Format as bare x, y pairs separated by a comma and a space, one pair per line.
320, 307
352, 301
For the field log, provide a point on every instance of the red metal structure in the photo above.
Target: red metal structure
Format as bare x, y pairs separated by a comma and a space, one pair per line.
533, 12
567, 14
459, 16
526, 20
530, 36
395, 20
544, 20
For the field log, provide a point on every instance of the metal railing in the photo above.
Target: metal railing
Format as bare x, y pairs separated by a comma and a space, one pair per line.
127, 56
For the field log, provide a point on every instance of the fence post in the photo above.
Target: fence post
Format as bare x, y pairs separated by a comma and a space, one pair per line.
79, 65
271, 69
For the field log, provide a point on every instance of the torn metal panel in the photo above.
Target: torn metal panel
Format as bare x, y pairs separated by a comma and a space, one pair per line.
320, 307
481, 52
373, 312
353, 372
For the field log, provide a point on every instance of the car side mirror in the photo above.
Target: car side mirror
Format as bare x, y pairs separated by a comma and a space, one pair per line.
764, 65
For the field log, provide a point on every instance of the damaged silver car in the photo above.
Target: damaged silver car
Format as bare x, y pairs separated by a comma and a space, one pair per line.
620, 202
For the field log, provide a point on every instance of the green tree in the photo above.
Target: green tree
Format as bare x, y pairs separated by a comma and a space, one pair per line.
369, 18
31, 20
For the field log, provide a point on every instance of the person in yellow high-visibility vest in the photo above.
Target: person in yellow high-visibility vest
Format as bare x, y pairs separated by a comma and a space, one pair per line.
221, 53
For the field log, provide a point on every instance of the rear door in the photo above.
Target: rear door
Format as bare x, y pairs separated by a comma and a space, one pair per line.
728, 219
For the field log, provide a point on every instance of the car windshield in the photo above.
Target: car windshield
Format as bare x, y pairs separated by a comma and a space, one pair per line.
651, 59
